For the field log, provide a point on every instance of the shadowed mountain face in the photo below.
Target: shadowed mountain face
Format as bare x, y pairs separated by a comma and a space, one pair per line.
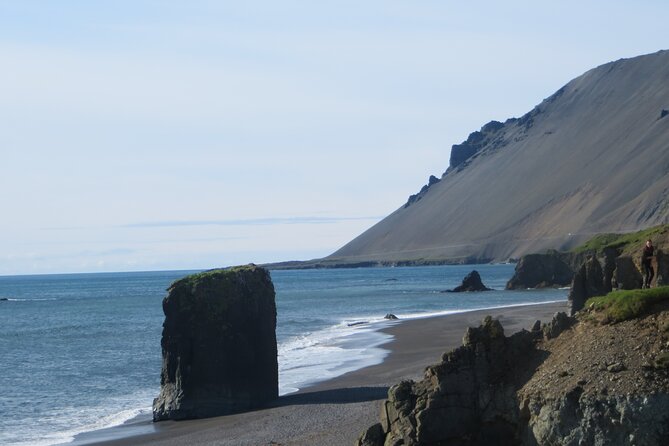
592, 158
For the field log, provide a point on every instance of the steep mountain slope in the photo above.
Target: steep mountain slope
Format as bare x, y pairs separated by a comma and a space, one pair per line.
593, 157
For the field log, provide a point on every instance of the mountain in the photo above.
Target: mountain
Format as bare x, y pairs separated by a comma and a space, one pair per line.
591, 158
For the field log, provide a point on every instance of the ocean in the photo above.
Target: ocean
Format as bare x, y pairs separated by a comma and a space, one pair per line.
81, 352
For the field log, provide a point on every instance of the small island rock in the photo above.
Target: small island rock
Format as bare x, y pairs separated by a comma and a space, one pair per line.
471, 282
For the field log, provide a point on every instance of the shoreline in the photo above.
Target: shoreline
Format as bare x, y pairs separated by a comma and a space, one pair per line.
337, 410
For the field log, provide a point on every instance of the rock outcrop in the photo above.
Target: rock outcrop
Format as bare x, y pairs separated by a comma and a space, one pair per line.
626, 275
460, 153
471, 282
588, 282
582, 383
219, 344
551, 269
416, 197
468, 398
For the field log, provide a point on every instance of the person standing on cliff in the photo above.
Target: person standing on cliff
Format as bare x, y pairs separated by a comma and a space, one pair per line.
646, 263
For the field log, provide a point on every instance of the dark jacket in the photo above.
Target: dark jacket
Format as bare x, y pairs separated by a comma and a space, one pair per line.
647, 254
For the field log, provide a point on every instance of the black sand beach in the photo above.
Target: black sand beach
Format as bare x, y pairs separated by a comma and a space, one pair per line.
333, 412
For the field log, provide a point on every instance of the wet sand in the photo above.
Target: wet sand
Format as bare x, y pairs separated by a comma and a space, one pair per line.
336, 411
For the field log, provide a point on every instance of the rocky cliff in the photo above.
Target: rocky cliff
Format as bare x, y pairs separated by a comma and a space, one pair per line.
591, 158
218, 344
577, 381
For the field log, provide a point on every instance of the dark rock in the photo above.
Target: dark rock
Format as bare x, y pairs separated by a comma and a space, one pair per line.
662, 273
536, 326
3, 298
664, 113
588, 282
355, 324
416, 197
390, 316
471, 282
609, 267
626, 276
219, 344
372, 436
557, 325
460, 153
542, 270
468, 398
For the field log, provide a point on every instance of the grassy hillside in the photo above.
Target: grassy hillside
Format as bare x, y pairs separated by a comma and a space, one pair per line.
624, 305
628, 243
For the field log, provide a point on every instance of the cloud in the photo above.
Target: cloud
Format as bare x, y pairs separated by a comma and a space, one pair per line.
249, 222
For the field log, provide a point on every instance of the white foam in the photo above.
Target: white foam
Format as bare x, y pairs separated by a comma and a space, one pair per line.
89, 420
30, 300
447, 312
328, 353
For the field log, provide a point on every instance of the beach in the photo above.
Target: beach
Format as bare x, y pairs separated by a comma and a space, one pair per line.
336, 411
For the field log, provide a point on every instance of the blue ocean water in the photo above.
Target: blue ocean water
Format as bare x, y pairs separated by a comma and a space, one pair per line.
81, 352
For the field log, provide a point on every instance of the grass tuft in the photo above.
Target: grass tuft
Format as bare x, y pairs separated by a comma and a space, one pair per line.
628, 304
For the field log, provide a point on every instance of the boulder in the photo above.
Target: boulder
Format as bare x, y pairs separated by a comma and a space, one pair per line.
626, 276
557, 325
471, 282
218, 344
390, 316
588, 282
551, 269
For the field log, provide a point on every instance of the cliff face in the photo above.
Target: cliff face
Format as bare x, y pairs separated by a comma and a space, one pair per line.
591, 158
577, 381
218, 344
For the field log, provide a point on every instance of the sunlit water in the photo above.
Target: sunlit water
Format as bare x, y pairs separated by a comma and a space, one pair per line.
81, 352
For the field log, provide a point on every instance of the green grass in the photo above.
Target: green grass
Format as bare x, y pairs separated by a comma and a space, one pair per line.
628, 304
620, 241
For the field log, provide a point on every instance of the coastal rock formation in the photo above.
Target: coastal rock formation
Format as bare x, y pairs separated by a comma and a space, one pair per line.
662, 272
584, 383
557, 325
471, 282
551, 269
219, 344
600, 385
588, 282
468, 398
627, 275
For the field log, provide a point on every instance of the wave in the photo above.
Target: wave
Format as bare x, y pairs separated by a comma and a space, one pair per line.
11, 299
330, 352
68, 436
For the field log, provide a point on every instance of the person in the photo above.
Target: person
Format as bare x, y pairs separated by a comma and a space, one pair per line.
646, 263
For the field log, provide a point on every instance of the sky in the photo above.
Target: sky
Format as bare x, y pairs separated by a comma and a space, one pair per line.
153, 135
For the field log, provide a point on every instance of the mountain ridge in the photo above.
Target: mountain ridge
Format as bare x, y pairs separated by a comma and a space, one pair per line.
590, 158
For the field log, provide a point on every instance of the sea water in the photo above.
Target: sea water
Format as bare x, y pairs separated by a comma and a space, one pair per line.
81, 352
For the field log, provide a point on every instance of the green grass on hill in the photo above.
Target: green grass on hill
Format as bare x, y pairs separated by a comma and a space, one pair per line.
628, 304
619, 241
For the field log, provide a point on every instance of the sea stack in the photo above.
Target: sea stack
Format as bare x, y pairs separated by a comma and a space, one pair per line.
218, 344
471, 282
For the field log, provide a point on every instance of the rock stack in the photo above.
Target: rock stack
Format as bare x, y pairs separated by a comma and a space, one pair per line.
218, 344
471, 282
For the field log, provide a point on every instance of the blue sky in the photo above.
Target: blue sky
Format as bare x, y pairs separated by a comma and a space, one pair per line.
144, 135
